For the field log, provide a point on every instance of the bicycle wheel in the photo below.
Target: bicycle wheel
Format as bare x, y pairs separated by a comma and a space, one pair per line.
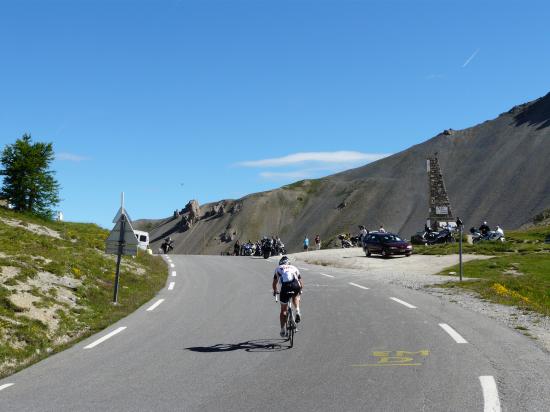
291, 337
290, 327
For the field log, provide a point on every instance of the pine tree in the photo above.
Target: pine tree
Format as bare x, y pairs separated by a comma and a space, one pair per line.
29, 185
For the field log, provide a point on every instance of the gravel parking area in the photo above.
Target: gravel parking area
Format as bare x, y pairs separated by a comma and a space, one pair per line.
419, 272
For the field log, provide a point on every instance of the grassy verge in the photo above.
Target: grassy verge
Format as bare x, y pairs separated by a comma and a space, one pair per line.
55, 291
518, 275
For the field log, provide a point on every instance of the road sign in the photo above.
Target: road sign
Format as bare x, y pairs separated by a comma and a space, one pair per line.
122, 211
129, 236
112, 249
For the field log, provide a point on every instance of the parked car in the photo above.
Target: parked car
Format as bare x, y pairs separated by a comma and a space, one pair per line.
386, 244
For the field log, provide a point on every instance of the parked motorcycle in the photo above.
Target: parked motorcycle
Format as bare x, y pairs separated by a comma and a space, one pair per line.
490, 236
432, 238
267, 248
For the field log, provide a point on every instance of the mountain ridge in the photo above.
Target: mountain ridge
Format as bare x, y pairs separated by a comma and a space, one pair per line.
493, 171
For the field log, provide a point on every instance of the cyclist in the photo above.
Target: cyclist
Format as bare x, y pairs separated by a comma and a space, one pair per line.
291, 286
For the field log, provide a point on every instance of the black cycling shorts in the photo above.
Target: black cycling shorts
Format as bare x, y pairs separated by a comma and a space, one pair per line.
288, 290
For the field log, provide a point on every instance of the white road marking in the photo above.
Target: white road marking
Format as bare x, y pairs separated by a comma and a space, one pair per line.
104, 338
172, 265
358, 286
454, 334
306, 269
171, 285
324, 274
174, 273
490, 394
155, 305
403, 303
7, 385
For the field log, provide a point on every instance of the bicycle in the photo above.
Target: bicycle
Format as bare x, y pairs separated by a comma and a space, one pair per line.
290, 320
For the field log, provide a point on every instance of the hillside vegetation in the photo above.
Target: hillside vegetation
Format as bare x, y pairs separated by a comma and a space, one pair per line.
56, 286
518, 275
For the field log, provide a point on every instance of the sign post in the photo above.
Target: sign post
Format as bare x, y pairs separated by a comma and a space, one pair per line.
121, 241
461, 234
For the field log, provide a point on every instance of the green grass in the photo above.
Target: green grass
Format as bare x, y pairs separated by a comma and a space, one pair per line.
518, 275
79, 255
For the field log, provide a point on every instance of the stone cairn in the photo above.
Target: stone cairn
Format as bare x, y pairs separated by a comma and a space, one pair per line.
440, 207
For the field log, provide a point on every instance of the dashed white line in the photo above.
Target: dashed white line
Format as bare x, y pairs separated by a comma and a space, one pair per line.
306, 269
171, 285
172, 265
454, 334
324, 274
358, 286
403, 303
174, 273
7, 385
490, 394
155, 305
104, 338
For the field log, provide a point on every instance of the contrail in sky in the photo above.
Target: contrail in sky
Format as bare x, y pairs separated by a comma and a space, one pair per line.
467, 62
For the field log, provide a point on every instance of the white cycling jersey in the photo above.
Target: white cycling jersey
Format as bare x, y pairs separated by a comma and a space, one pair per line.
287, 273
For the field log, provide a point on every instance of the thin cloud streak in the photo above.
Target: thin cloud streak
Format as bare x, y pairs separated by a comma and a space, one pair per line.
339, 157
297, 174
71, 157
467, 62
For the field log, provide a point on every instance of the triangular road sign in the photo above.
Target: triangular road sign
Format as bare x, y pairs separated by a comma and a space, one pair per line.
121, 212
129, 236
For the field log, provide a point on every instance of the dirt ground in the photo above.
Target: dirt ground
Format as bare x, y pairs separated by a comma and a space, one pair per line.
415, 271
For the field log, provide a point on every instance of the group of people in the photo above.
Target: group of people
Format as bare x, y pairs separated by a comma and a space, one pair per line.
317, 241
256, 248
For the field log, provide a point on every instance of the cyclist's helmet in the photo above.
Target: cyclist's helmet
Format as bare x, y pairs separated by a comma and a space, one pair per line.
284, 260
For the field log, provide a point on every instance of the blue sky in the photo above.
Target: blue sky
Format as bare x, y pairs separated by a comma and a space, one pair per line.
173, 100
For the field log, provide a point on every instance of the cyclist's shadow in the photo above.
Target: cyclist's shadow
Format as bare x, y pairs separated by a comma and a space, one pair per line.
255, 345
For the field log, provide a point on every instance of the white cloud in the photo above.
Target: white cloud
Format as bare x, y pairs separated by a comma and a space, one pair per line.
297, 174
339, 157
71, 157
467, 62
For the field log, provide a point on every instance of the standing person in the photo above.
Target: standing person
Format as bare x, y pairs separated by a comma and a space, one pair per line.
318, 242
237, 248
306, 243
291, 286
382, 230
363, 232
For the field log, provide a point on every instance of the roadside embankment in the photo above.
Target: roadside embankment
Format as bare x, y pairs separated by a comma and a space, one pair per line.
56, 286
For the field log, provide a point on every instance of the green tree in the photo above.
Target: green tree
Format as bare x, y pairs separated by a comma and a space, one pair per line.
29, 185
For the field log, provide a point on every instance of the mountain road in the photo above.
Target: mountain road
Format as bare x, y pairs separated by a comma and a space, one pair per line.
210, 341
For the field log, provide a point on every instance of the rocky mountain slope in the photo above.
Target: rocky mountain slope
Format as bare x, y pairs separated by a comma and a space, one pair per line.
496, 171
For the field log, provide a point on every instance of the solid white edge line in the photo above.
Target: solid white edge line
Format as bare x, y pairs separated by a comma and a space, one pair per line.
171, 285
358, 286
104, 338
6, 385
173, 273
453, 333
155, 305
490, 394
403, 303
324, 274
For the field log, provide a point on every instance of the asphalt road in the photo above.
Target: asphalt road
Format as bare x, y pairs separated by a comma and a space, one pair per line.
212, 344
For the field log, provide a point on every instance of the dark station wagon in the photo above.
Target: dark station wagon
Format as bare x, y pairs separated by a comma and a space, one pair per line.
386, 244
